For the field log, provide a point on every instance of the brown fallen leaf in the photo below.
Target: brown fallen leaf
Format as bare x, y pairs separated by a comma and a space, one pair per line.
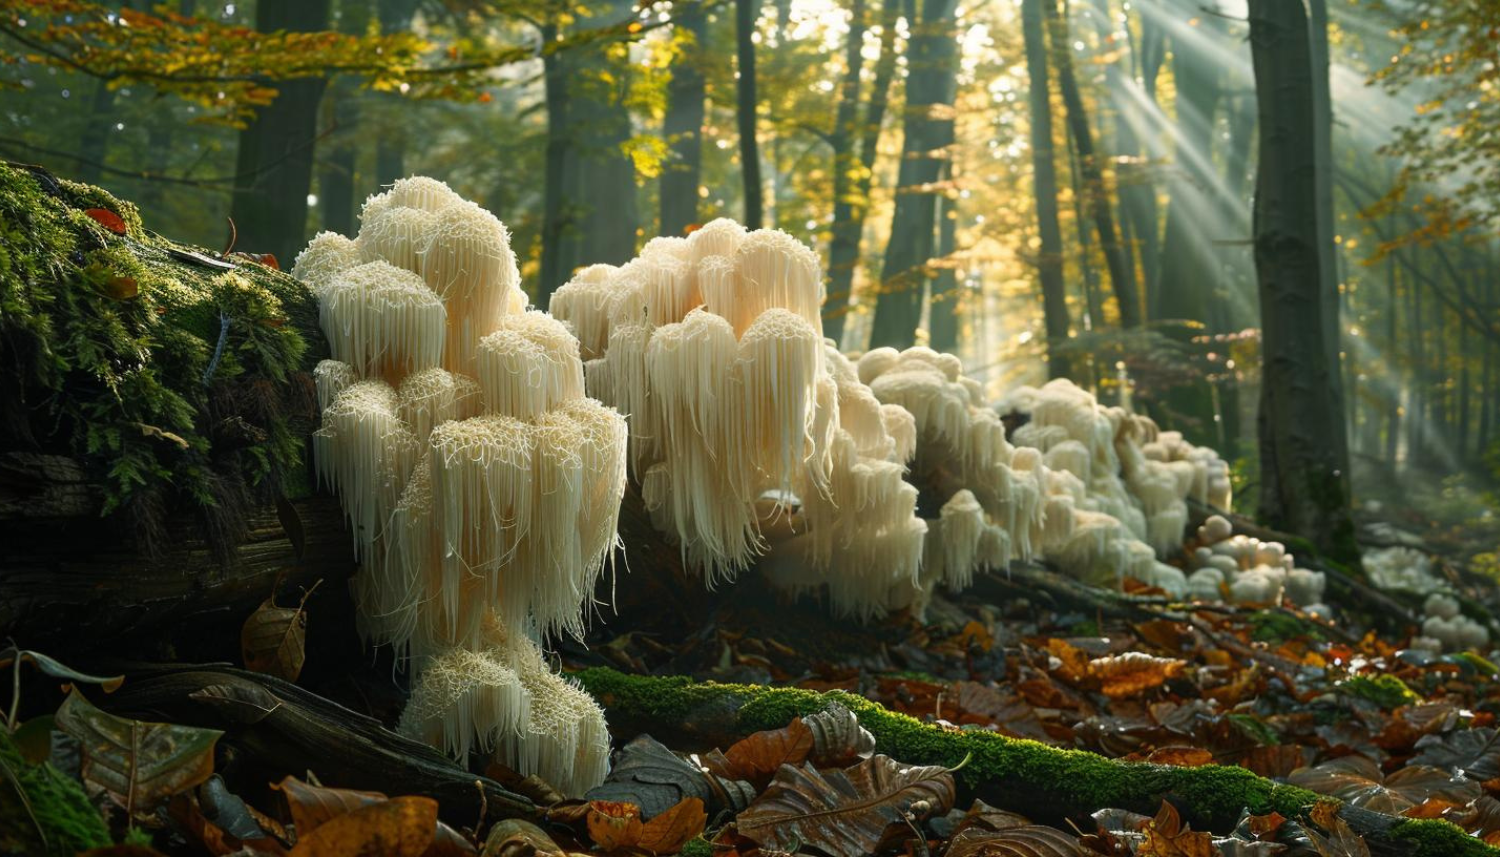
668, 832
106, 218
756, 758
1167, 836
838, 739
1359, 781
514, 837
1131, 673
138, 765
846, 813
312, 806
399, 827
274, 639
1028, 840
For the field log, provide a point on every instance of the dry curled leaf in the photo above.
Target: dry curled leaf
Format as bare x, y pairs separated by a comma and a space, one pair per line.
654, 778
57, 669
614, 825
1131, 673
514, 837
838, 739
400, 827
311, 806
668, 832
274, 639
757, 758
1359, 781
1167, 836
1029, 840
139, 765
846, 813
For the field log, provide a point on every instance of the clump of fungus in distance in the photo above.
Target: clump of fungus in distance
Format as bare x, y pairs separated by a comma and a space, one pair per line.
482, 486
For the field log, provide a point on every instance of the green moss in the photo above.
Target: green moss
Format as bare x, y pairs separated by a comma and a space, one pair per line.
1069, 782
698, 848
1275, 626
107, 342
1385, 690
1432, 838
67, 820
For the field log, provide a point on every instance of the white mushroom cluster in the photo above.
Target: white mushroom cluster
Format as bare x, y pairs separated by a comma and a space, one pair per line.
481, 485
749, 433
1245, 570
1446, 628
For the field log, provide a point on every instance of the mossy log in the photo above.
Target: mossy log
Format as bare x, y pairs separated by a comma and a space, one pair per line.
1046, 783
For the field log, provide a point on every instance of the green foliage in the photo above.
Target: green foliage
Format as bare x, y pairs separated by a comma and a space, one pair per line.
108, 341
55, 809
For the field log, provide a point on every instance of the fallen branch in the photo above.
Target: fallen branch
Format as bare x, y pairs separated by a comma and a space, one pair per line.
1048, 784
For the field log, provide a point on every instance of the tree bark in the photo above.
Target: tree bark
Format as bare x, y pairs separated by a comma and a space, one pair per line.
849, 212
843, 248
590, 211
1303, 440
336, 192
1189, 265
683, 129
1049, 261
943, 308
390, 148
274, 164
931, 82
1094, 191
746, 106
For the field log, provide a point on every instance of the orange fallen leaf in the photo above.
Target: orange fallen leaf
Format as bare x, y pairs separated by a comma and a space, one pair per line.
612, 824
108, 219
1181, 757
668, 832
400, 827
1131, 673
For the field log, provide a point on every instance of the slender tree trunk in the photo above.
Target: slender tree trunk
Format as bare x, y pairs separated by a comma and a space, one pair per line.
1323, 152
1303, 438
274, 164
1092, 301
390, 148
943, 308
1393, 403
1416, 427
1095, 193
590, 214
1044, 186
1488, 354
849, 212
931, 81
845, 175
555, 214
336, 193
683, 129
746, 109
1189, 263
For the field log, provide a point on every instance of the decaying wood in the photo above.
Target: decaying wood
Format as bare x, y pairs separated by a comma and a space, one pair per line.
293, 731
69, 583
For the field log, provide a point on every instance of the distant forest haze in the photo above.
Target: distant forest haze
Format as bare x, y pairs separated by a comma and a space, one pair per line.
1270, 225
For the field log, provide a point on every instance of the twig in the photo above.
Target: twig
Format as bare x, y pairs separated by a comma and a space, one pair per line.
213, 365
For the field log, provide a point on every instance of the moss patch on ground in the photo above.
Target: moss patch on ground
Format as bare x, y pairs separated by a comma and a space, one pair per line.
169, 373
60, 819
1067, 782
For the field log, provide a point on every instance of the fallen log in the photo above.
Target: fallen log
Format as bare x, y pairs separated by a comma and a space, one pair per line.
276, 728
1045, 783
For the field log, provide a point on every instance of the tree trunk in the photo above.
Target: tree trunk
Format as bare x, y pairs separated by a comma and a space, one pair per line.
931, 81
943, 309
683, 129
1095, 193
1304, 446
336, 192
274, 165
849, 213
1044, 185
845, 176
1323, 152
390, 148
590, 209
1189, 263
746, 105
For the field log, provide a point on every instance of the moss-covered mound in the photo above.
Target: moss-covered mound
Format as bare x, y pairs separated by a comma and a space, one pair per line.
170, 373
1034, 778
43, 811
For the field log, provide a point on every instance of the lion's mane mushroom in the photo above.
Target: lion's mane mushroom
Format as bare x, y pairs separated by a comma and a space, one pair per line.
483, 488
